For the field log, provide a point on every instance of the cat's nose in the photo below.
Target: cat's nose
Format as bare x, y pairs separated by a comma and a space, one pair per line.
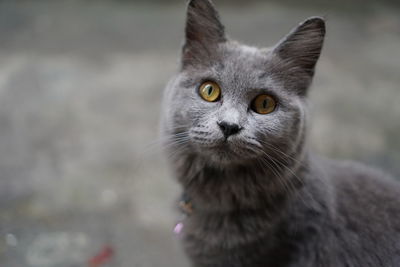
228, 129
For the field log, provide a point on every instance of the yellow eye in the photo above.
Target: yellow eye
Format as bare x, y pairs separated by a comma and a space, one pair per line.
263, 104
210, 91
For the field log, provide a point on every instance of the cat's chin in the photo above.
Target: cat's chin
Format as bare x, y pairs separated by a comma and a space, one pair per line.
222, 159
223, 155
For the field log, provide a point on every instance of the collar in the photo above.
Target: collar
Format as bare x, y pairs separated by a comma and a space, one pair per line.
186, 207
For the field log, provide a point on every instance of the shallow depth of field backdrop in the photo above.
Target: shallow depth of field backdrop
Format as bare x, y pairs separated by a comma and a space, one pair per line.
80, 91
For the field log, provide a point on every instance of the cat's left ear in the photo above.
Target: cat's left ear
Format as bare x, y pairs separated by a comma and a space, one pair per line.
204, 31
299, 51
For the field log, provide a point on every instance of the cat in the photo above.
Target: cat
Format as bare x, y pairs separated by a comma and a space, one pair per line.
235, 122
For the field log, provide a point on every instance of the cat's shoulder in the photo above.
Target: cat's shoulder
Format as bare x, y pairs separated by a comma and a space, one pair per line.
358, 184
361, 174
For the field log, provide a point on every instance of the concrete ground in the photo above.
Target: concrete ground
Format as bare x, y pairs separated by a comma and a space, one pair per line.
80, 90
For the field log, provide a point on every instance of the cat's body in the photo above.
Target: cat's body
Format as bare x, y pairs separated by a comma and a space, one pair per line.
260, 198
344, 214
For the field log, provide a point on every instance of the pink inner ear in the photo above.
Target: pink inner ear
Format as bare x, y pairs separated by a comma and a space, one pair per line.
178, 228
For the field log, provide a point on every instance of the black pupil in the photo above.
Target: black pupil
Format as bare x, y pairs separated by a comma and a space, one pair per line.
210, 90
265, 103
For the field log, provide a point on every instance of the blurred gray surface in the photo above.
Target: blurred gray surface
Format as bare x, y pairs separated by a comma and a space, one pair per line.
80, 90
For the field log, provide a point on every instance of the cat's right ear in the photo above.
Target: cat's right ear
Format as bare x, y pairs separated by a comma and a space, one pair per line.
204, 31
299, 52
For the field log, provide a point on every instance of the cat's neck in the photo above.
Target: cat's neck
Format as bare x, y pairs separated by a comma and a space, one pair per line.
249, 186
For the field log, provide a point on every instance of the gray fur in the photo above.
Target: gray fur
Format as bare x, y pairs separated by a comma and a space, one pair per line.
261, 198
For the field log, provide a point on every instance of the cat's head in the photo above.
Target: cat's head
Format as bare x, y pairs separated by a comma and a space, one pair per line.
231, 103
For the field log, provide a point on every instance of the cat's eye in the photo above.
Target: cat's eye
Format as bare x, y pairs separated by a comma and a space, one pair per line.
210, 91
263, 104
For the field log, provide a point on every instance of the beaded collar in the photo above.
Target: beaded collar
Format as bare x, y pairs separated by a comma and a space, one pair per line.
186, 207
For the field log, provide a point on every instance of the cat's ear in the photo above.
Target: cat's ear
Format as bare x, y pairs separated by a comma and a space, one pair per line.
299, 51
204, 31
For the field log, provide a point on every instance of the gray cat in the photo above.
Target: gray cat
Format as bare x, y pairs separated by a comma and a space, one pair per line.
235, 123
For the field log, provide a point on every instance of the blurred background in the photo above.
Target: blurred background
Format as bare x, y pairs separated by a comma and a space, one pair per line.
80, 90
